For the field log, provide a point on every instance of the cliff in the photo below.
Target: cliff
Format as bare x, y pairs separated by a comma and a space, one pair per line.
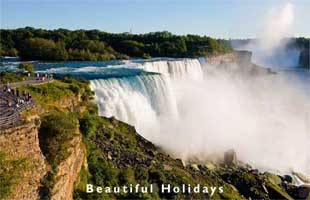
22, 142
27, 170
237, 63
68, 171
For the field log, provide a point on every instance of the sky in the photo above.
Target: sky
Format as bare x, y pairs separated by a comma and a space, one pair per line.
216, 18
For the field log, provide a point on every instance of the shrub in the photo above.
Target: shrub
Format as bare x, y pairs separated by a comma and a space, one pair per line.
55, 134
10, 77
26, 66
88, 125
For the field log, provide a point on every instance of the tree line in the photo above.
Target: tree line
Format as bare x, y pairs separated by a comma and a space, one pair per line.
62, 44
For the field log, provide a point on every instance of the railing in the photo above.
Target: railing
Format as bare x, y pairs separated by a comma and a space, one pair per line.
9, 120
15, 116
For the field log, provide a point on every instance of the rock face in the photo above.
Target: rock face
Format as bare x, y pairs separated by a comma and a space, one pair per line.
237, 63
68, 171
304, 58
230, 158
22, 142
216, 60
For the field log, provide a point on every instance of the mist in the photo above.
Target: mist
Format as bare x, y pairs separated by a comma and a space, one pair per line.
192, 109
264, 119
271, 47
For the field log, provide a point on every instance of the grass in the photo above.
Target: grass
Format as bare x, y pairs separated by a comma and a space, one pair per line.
11, 171
10, 77
59, 93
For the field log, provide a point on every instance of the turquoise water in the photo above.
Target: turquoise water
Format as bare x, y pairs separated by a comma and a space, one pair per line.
123, 68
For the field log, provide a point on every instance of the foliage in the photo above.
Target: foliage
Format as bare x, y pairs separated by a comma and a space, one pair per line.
26, 66
49, 93
42, 49
53, 94
88, 125
10, 77
62, 44
10, 173
56, 131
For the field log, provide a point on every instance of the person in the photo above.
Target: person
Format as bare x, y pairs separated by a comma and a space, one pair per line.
17, 106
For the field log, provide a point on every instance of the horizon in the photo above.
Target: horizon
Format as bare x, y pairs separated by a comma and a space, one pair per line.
224, 19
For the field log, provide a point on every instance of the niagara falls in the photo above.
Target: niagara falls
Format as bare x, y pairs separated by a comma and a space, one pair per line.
178, 99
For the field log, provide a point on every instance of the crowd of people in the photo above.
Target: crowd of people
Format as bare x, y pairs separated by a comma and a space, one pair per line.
16, 98
42, 77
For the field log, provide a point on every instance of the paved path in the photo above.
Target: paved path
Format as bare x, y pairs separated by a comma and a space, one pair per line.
30, 81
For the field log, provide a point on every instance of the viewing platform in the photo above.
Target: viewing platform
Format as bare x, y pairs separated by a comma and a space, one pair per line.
13, 101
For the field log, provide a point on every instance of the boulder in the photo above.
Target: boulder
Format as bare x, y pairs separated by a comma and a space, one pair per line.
273, 178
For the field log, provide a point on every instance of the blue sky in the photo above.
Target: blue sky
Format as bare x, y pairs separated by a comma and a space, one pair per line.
217, 18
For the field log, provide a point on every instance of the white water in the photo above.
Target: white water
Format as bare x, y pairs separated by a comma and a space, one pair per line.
185, 68
264, 119
270, 49
137, 100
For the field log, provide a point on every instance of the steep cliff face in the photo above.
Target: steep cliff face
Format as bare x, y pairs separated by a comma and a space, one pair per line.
68, 171
216, 60
22, 142
22, 145
239, 63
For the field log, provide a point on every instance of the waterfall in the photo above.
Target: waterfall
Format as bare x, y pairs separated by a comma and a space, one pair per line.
176, 69
142, 100
145, 101
138, 100
188, 114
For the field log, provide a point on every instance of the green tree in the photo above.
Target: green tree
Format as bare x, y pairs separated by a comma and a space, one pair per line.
43, 49
26, 66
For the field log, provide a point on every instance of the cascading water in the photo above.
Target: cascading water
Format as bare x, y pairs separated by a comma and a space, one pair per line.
138, 100
146, 100
177, 69
210, 114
